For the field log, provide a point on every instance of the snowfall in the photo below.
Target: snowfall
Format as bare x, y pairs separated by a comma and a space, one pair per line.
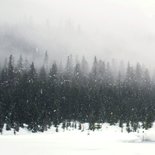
109, 140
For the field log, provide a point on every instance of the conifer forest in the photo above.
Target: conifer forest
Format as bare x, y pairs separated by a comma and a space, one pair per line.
62, 93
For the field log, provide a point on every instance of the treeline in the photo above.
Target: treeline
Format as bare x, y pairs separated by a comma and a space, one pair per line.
54, 94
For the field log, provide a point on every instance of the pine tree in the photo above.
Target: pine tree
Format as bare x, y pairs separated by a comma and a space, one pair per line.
46, 61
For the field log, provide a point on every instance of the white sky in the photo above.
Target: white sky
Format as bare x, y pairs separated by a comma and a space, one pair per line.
126, 28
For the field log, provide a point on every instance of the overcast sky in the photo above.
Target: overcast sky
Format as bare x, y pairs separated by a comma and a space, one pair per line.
122, 29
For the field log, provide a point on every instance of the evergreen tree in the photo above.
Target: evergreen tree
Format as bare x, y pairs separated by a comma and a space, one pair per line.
33, 96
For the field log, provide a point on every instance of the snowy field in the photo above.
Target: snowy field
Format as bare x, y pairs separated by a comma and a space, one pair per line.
108, 141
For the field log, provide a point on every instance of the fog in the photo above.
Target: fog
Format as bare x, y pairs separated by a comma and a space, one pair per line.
119, 29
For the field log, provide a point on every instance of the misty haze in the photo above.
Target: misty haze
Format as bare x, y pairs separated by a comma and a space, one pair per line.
122, 30
77, 77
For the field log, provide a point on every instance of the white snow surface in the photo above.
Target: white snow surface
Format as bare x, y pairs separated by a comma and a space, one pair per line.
107, 141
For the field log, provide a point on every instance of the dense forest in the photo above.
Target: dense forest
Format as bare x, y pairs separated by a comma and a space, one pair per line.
52, 94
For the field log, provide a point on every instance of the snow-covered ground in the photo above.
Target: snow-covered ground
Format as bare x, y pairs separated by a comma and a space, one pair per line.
108, 141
